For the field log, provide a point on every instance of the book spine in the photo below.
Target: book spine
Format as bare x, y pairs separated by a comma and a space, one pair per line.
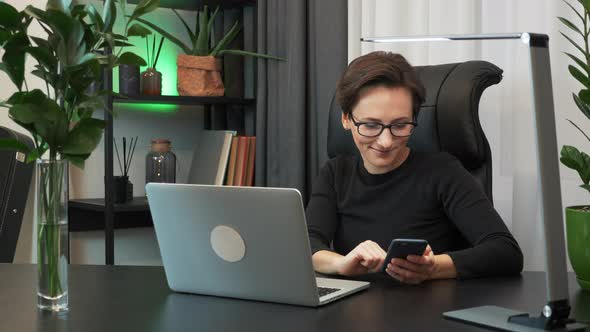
251, 161
233, 156
241, 161
223, 159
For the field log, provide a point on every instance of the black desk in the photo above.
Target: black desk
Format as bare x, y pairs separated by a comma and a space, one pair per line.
121, 298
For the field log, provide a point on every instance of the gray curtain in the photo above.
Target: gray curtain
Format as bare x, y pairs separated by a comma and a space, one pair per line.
293, 97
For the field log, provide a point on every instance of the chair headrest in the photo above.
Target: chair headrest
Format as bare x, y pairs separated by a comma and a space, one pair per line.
448, 119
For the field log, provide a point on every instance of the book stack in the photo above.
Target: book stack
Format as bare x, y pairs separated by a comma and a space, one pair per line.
240, 171
221, 158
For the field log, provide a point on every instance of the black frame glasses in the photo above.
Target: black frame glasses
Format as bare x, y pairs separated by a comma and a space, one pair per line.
392, 127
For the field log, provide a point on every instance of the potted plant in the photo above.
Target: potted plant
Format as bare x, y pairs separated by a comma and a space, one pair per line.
69, 60
578, 217
199, 69
129, 79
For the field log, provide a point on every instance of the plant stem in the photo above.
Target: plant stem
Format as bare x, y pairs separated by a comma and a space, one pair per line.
35, 142
52, 178
586, 33
583, 133
45, 79
70, 107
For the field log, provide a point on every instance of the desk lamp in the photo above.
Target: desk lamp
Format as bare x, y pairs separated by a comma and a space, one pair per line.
554, 314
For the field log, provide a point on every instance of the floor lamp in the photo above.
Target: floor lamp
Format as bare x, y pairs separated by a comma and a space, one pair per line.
555, 313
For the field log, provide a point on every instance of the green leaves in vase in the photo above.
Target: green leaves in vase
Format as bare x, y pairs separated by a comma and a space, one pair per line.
44, 118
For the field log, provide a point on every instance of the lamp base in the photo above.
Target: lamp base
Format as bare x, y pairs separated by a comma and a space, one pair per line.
497, 318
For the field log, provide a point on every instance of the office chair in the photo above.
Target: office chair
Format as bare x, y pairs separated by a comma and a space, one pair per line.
448, 119
15, 180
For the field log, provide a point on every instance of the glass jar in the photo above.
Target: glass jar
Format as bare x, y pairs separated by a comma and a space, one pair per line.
151, 82
160, 162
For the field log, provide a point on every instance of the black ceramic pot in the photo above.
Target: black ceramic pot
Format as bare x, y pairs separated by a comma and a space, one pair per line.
129, 80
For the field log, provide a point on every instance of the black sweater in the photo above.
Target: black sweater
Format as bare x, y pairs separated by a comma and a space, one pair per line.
430, 196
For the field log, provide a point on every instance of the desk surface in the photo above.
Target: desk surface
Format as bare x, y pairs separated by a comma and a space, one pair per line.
133, 298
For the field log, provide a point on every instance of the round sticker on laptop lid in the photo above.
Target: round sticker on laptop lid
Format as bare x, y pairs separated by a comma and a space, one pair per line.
228, 244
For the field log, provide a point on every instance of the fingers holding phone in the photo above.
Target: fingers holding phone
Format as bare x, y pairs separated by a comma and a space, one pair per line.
414, 269
409, 261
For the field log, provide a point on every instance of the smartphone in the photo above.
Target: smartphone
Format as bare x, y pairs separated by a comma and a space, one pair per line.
401, 248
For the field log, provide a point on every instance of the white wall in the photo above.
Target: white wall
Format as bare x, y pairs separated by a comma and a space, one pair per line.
132, 246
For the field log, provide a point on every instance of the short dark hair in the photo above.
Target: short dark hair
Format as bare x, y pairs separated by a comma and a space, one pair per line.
378, 69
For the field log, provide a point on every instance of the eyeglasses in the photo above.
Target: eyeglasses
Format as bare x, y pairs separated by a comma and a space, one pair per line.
374, 129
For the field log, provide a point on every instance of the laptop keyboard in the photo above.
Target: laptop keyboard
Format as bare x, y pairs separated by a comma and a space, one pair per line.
323, 291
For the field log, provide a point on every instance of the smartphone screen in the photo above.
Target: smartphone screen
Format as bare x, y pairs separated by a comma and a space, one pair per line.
402, 248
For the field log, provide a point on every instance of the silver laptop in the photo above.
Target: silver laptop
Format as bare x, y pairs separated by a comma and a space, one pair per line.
241, 242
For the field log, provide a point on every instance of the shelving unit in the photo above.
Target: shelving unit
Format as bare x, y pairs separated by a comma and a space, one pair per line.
136, 212
184, 100
88, 214
196, 4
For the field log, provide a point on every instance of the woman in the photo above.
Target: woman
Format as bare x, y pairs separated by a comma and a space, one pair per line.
359, 204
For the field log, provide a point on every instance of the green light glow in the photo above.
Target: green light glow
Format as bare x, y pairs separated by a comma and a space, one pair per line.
167, 60
166, 65
153, 108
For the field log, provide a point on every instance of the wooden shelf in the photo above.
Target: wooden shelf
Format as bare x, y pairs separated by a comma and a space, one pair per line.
198, 4
184, 100
88, 214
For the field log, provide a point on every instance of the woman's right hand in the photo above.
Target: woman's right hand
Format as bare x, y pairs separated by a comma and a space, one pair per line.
365, 258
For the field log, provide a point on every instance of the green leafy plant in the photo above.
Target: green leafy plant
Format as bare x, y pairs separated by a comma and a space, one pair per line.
571, 156
69, 60
202, 37
135, 29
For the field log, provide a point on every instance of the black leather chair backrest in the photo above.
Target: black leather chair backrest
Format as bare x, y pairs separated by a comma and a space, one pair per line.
448, 119
15, 180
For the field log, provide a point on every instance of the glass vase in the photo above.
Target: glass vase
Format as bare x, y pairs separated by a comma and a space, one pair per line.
151, 82
52, 234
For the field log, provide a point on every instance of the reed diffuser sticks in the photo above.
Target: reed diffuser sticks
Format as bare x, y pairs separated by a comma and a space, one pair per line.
127, 154
152, 54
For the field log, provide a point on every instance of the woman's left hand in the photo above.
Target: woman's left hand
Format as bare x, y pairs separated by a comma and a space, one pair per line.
414, 269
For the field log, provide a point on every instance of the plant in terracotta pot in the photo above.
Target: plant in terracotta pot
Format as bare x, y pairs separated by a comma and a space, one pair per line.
578, 217
199, 69
69, 61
